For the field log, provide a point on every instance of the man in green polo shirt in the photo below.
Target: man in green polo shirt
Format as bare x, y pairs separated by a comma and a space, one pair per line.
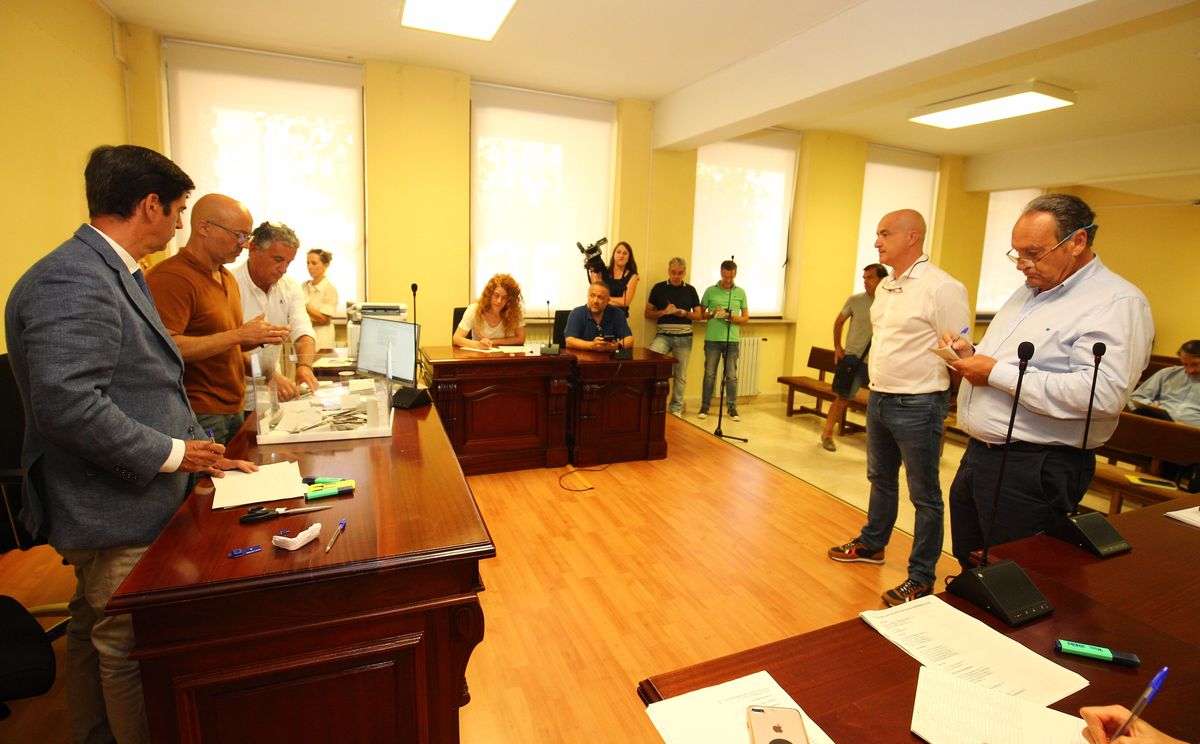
724, 306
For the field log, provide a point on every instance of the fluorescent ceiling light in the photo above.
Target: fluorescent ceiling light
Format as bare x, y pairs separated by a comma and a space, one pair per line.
474, 19
993, 105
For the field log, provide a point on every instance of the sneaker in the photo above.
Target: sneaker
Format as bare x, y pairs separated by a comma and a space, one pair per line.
828, 445
734, 415
677, 414
906, 592
855, 552
702, 415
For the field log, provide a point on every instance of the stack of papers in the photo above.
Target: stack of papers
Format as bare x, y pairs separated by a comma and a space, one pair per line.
274, 482
951, 641
1187, 516
717, 714
954, 711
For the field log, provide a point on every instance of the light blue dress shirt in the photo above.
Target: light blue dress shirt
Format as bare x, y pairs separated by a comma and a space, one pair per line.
1175, 392
1063, 323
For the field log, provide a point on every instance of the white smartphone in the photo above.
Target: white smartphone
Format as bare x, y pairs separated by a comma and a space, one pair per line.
775, 725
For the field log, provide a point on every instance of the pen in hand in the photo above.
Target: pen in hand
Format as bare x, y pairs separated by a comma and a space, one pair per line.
1147, 695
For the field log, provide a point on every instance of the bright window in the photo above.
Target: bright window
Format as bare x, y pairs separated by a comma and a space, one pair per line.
744, 193
998, 277
541, 181
894, 179
283, 136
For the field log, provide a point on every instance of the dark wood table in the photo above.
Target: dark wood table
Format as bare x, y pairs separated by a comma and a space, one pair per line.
366, 642
619, 407
859, 687
501, 411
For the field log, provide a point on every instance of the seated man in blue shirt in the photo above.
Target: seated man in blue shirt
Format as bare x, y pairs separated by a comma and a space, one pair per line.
589, 325
1173, 393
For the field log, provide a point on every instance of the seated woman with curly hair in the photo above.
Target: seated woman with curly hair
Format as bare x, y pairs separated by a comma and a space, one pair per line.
496, 319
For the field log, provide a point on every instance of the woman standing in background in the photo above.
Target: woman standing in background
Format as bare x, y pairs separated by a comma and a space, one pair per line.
621, 277
320, 297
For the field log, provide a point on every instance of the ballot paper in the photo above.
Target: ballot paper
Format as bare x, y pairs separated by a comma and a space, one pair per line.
274, 482
947, 639
949, 710
1187, 516
717, 714
946, 353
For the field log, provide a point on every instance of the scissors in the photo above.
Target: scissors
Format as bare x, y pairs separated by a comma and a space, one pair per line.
262, 513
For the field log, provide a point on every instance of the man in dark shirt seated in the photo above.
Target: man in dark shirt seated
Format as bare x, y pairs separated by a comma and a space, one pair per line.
588, 326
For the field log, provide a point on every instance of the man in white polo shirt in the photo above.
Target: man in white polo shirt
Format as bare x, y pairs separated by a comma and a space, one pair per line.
266, 289
910, 394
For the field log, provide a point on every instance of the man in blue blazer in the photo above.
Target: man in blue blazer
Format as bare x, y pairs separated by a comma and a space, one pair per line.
110, 438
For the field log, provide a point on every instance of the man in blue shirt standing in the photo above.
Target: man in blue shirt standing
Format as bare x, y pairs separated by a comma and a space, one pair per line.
1070, 302
597, 326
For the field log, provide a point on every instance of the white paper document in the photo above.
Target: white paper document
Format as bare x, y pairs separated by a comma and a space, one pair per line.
938, 635
949, 710
1187, 516
717, 714
274, 482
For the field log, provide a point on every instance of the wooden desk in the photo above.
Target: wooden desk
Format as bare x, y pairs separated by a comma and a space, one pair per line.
368, 642
619, 408
859, 687
501, 411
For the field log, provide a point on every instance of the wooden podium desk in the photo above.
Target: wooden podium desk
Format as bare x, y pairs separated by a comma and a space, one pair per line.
366, 642
501, 411
619, 407
859, 687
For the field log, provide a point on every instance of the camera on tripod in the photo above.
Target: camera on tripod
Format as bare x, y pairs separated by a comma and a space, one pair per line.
592, 259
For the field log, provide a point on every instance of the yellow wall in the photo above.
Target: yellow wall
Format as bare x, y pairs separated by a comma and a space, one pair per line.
1154, 247
959, 227
418, 124
65, 94
147, 107
822, 245
631, 195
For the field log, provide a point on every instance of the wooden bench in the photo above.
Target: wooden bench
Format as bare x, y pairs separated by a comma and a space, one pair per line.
821, 389
1146, 443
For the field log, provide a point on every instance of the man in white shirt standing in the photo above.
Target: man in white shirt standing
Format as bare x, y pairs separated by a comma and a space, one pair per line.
266, 288
1070, 302
910, 395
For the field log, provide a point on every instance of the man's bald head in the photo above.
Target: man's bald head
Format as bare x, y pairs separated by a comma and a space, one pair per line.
221, 227
900, 239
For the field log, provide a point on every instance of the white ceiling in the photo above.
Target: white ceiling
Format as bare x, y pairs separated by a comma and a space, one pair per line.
717, 68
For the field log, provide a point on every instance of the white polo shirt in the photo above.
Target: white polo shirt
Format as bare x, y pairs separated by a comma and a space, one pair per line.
908, 317
283, 304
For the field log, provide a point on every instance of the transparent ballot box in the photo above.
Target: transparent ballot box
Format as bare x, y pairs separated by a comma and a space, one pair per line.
351, 408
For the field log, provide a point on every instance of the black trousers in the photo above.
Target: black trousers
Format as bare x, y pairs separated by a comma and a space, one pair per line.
1042, 485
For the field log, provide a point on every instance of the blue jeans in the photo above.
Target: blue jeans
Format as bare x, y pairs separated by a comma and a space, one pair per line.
712, 355
906, 429
680, 347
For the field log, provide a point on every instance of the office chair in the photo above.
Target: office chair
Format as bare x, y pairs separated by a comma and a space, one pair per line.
560, 326
459, 312
28, 668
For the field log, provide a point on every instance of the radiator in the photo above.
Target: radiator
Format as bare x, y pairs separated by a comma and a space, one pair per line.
749, 354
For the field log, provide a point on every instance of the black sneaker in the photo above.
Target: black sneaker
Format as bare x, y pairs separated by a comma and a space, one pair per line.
855, 552
906, 592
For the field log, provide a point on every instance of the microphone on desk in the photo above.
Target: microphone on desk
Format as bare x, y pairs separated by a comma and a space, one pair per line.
408, 398
1002, 588
550, 348
1091, 531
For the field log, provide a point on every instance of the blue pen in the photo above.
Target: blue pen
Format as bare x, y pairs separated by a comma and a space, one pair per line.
961, 333
341, 526
1147, 695
211, 437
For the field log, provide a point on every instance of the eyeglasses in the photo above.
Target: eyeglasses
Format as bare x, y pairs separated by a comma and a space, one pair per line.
1029, 263
242, 237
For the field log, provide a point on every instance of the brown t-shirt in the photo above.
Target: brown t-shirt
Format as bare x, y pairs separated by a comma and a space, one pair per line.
192, 303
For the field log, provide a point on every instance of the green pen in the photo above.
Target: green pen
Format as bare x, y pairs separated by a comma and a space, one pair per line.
322, 493
314, 481
1119, 658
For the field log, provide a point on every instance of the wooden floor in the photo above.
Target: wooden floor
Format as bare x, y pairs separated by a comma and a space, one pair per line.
660, 565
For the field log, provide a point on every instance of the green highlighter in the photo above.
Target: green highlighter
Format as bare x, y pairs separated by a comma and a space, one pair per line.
1119, 658
337, 487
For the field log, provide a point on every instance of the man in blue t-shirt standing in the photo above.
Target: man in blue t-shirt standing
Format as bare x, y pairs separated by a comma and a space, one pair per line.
674, 304
724, 306
596, 326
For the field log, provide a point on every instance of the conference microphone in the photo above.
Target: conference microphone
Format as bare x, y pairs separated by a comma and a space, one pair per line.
1091, 531
408, 398
1002, 588
551, 348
